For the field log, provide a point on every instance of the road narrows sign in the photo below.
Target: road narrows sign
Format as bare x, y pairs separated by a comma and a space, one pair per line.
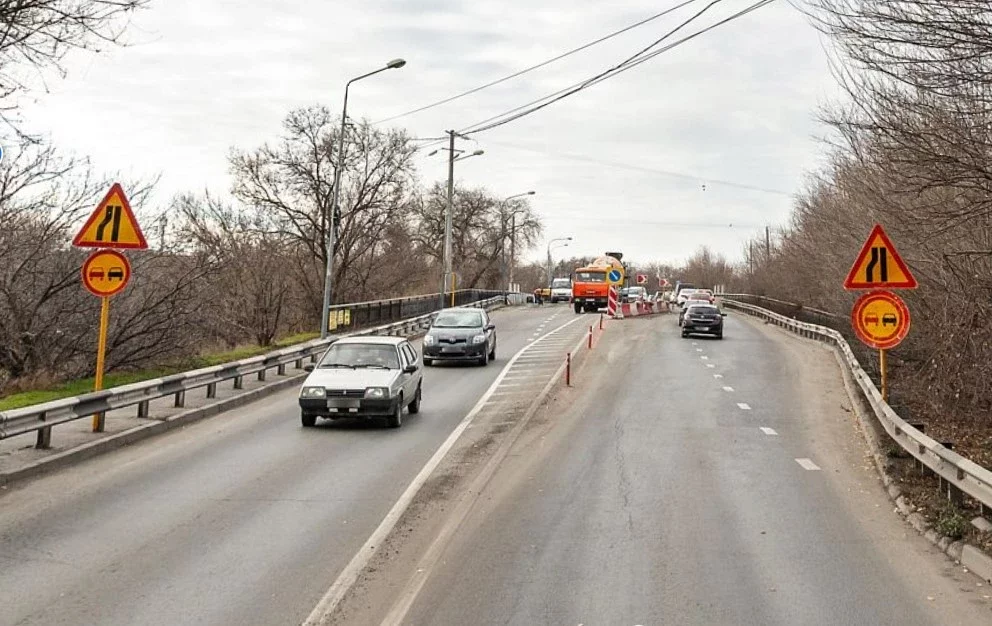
106, 272
880, 319
879, 266
112, 225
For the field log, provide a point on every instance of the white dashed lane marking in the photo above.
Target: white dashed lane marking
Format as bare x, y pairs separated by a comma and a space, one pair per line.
808, 465
710, 365
728, 389
743, 406
769, 431
699, 349
718, 376
705, 358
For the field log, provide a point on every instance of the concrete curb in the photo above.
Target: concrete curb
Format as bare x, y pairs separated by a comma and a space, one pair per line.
144, 431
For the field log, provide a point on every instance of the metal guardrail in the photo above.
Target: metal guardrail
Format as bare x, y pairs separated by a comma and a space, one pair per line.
42, 417
960, 474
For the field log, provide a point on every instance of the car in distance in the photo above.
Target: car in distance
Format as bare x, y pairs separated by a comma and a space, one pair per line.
633, 294
561, 290
460, 334
365, 377
698, 296
702, 318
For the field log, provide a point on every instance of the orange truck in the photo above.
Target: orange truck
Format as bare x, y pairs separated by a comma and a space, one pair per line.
589, 287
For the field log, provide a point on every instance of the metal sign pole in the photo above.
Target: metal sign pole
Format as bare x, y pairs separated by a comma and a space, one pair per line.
883, 369
101, 349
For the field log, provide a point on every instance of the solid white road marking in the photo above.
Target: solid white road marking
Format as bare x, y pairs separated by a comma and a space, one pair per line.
808, 465
353, 569
769, 431
728, 389
743, 406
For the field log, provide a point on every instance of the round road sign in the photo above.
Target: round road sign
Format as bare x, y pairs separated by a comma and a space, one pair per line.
880, 319
106, 272
614, 277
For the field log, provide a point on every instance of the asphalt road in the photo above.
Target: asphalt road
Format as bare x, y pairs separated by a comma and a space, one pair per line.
245, 518
692, 482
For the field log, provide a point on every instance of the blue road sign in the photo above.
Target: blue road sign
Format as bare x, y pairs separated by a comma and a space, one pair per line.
1, 154
615, 276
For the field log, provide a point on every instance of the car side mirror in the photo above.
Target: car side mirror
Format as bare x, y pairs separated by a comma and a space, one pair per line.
490, 326
410, 369
308, 367
723, 315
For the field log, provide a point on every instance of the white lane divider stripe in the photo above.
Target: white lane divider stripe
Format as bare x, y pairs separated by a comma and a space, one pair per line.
743, 406
808, 465
699, 349
349, 575
705, 358
718, 376
710, 365
728, 389
769, 431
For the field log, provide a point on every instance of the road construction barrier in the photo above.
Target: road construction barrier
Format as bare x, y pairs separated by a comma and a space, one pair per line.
42, 417
957, 474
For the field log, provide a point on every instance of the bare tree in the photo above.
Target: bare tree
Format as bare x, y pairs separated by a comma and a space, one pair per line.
35, 35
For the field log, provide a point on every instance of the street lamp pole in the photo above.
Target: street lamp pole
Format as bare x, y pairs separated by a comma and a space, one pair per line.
566, 240
332, 226
507, 280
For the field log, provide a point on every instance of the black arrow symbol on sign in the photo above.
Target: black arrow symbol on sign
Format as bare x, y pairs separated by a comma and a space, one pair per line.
880, 257
113, 212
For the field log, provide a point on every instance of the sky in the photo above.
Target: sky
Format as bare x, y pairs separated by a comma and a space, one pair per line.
703, 145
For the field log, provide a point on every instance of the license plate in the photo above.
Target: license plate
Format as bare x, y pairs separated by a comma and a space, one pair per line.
590, 299
451, 350
344, 403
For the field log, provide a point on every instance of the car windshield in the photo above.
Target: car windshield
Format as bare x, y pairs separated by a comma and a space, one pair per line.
458, 319
561, 283
361, 355
590, 277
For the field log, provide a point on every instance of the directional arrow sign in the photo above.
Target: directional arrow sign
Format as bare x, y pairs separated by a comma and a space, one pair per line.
879, 266
112, 225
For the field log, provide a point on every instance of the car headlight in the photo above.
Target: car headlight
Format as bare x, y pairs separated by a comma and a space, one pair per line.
377, 392
313, 392
429, 340
479, 339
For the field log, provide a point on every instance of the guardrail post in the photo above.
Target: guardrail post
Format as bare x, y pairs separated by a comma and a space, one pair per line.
568, 369
212, 390
44, 440
143, 408
299, 364
261, 375
281, 370
180, 399
239, 382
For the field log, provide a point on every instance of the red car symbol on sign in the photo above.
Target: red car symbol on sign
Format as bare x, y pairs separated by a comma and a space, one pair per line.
871, 318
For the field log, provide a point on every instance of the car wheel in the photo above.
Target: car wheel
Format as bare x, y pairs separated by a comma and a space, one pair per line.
396, 419
484, 359
684, 334
578, 309
719, 335
309, 421
428, 362
492, 353
415, 405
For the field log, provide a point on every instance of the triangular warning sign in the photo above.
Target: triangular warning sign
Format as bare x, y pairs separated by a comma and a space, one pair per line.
879, 266
112, 224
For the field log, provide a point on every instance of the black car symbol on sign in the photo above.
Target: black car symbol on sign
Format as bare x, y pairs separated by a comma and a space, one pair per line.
118, 273
889, 318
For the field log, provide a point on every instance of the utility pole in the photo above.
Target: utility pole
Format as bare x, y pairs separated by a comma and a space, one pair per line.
750, 258
768, 244
447, 215
513, 244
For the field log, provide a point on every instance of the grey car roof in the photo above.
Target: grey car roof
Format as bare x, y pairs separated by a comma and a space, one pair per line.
392, 341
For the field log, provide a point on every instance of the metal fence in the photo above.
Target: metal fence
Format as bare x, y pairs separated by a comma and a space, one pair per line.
957, 474
358, 315
42, 417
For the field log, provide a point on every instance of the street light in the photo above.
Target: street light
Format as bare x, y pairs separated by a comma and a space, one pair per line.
508, 280
452, 157
566, 240
329, 270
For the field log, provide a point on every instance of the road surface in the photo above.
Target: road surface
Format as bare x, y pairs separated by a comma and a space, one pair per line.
245, 518
691, 481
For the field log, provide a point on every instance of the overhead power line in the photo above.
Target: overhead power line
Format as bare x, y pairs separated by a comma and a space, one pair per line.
539, 65
540, 103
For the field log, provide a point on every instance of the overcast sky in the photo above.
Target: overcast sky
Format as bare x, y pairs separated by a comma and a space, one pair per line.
653, 162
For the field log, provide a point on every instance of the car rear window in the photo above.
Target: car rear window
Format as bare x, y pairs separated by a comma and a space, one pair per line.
703, 310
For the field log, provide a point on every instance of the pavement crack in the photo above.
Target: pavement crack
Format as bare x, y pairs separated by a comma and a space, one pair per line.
622, 475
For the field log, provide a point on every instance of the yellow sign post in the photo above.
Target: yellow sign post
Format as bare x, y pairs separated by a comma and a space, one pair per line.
106, 272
